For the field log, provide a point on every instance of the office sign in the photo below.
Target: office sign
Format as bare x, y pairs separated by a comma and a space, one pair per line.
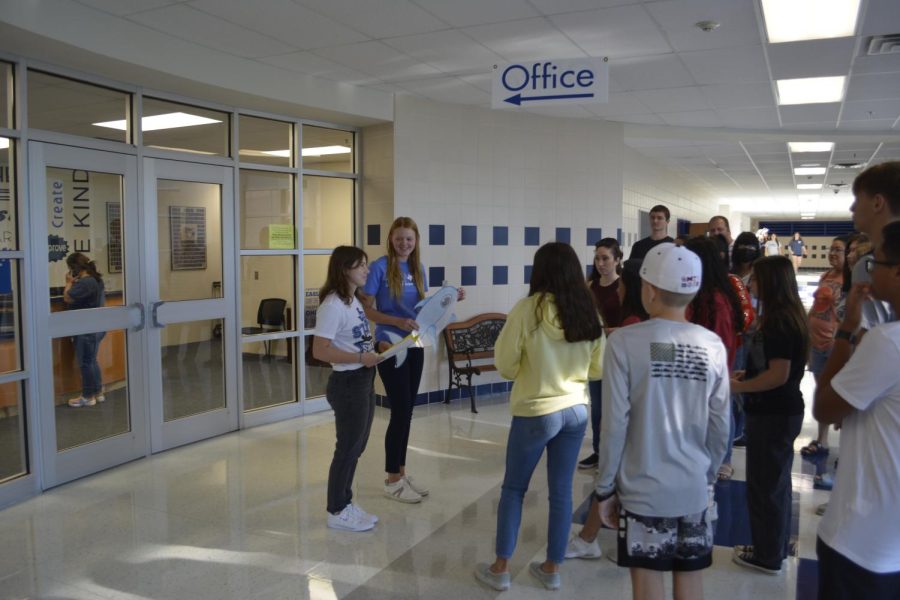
551, 82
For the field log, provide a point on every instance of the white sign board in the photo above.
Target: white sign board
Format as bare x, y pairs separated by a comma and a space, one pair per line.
551, 82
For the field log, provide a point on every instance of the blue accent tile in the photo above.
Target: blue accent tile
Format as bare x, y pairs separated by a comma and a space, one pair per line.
498, 388
733, 526
532, 236
469, 235
455, 393
527, 274
501, 236
619, 235
434, 397
588, 269
468, 275
501, 276
436, 235
435, 276
484, 388
564, 234
594, 235
807, 579
421, 399
373, 235
509, 385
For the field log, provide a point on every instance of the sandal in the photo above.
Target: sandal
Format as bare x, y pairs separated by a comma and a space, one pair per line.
726, 471
814, 449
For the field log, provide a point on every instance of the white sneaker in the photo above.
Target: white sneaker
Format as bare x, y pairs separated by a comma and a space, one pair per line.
578, 548
100, 398
401, 491
416, 487
81, 401
363, 514
349, 520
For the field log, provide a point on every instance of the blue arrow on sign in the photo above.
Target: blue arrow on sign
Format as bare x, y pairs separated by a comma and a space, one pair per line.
518, 99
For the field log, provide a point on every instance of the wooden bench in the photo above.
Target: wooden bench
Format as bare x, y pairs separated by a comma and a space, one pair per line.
468, 341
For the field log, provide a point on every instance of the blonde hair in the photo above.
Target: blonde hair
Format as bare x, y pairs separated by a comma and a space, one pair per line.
394, 276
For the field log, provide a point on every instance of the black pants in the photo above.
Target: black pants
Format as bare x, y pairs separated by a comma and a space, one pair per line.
596, 390
770, 455
401, 385
842, 579
351, 395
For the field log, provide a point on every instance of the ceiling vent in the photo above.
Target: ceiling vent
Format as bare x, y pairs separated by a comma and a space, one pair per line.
884, 44
848, 165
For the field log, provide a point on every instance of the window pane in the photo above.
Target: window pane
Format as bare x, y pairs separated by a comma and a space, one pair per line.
189, 217
6, 102
84, 214
317, 372
193, 369
12, 431
328, 149
10, 342
264, 141
92, 366
9, 239
327, 212
269, 380
172, 126
315, 269
267, 294
69, 106
267, 199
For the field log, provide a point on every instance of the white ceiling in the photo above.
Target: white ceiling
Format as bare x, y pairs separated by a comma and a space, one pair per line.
702, 103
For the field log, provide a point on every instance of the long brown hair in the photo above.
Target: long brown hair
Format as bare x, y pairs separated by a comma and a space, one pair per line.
342, 260
782, 311
557, 272
79, 262
394, 276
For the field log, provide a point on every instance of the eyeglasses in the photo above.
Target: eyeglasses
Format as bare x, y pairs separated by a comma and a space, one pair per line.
835, 250
871, 262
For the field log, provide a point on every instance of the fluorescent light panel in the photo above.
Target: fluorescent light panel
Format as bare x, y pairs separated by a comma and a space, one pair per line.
810, 90
809, 170
323, 150
795, 20
166, 121
809, 186
4, 143
810, 146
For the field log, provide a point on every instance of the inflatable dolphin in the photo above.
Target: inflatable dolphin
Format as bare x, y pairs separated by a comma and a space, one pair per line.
434, 313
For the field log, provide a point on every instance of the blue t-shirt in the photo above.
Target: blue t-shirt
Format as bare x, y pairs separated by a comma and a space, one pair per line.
796, 247
377, 285
86, 292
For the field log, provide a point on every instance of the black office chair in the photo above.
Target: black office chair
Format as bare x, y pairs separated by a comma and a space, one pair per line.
269, 317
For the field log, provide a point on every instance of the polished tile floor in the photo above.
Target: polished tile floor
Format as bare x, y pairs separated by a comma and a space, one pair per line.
242, 516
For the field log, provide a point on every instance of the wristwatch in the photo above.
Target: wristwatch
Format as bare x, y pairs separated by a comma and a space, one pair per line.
840, 334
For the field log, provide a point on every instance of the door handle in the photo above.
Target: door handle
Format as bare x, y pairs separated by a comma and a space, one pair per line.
140, 310
153, 318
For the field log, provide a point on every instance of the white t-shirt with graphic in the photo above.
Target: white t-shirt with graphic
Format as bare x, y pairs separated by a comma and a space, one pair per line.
346, 326
861, 521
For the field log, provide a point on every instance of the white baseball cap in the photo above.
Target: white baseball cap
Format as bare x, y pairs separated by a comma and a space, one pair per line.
672, 268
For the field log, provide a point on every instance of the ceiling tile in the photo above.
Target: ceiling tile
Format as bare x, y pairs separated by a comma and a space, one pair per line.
649, 72
127, 7
200, 28
613, 32
623, 103
648, 119
312, 64
810, 113
518, 40
378, 60
756, 148
673, 99
448, 51
447, 89
678, 18
698, 118
727, 65
740, 95
881, 18
283, 20
814, 58
483, 81
868, 125
553, 7
871, 87
565, 111
886, 63
750, 118
465, 13
865, 110
378, 18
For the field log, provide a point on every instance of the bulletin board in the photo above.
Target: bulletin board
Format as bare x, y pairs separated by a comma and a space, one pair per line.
187, 237
114, 237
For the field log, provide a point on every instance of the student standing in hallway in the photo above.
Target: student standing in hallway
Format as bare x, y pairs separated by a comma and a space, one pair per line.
85, 289
342, 338
550, 347
396, 283
659, 225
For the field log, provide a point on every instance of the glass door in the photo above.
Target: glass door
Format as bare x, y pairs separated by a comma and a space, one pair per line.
89, 317
192, 340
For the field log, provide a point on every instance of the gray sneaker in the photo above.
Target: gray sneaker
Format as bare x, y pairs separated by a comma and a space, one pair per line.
496, 581
548, 580
578, 548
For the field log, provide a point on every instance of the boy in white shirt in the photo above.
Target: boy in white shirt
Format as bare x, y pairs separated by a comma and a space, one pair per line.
666, 418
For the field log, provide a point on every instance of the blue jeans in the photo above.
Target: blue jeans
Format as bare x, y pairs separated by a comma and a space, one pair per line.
561, 434
86, 347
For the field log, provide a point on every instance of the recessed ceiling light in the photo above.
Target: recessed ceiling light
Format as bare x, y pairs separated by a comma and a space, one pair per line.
809, 170
809, 186
810, 90
795, 20
810, 146
811, 165
808, 218
323, 150
166, 121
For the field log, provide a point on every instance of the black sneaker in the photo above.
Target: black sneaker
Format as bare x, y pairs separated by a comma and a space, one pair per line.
739, 442
746, 559
590, 462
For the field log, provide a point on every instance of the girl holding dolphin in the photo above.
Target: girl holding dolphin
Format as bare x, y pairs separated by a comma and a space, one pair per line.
396, 283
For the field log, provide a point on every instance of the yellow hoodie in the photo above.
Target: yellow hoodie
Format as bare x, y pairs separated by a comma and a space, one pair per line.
548, 373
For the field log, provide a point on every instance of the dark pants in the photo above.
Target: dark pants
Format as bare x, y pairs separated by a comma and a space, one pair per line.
86, 347
842, 579
401, 385
352, 397
596, 390
770, 455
